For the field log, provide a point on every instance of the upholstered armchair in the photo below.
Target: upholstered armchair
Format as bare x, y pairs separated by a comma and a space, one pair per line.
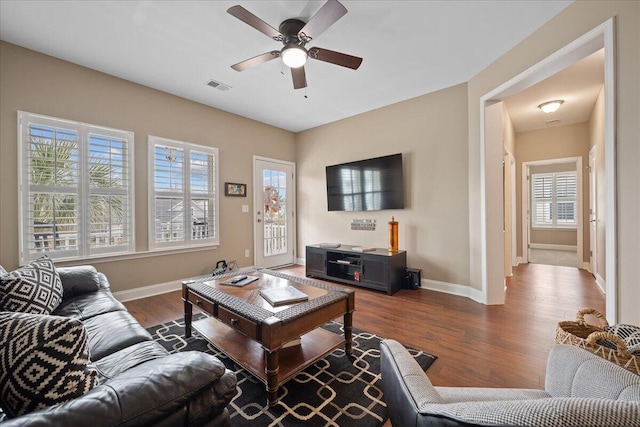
581, 389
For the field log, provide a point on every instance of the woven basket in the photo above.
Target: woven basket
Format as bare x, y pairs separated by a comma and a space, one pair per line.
579, 333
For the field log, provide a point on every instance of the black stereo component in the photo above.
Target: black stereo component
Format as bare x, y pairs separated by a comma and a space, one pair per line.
412, 279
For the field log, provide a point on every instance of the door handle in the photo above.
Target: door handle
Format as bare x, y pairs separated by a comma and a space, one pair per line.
259, 220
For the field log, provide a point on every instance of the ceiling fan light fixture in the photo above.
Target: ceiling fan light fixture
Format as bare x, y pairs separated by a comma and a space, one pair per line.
551, 106
294, 56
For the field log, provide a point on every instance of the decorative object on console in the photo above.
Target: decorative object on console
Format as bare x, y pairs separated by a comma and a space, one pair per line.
363, 249
34, 288
393, 235
44, 361
294, 35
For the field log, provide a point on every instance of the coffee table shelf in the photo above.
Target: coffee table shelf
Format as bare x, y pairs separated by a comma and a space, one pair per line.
250, 354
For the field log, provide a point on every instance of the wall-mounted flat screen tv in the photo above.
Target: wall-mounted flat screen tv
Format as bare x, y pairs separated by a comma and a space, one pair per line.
366, 185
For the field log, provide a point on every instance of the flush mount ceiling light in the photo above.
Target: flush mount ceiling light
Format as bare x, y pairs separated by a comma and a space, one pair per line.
551, 106
294, 56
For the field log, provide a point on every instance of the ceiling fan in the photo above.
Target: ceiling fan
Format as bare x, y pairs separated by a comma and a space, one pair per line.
294, 35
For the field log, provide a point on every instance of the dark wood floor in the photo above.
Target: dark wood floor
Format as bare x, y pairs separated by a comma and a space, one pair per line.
476, 345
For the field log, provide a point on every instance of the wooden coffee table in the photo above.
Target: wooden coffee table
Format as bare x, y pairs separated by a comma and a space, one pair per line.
253, 333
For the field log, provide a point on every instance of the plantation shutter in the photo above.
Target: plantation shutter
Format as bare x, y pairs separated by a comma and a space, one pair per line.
51, 192
566, 197
168, 187
554, 200
76, 189
183, 199
111, 207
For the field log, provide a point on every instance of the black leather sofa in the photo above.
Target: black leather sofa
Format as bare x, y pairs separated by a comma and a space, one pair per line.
141, 384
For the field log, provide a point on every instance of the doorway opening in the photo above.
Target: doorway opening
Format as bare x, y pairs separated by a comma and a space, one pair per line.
552, 214
492, 229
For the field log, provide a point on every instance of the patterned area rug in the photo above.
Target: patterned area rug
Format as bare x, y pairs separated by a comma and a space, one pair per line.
335, 391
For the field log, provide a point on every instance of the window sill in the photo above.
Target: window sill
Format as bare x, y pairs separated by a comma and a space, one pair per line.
130, 256
554, 228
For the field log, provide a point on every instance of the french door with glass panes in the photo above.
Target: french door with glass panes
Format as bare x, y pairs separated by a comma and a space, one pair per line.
274, 203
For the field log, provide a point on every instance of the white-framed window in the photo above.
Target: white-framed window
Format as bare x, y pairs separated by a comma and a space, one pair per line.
183, 196
76, 189
554, 200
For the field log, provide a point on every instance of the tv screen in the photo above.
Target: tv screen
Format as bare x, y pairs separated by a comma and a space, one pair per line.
366, 185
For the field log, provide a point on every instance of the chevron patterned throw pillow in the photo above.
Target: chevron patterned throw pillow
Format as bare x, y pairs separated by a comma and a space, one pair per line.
35, 288
44, 361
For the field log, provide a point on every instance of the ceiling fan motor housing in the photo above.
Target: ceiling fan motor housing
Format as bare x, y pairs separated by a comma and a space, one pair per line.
290, 29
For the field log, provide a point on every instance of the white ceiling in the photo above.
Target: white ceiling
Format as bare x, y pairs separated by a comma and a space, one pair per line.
577, 85
409, 48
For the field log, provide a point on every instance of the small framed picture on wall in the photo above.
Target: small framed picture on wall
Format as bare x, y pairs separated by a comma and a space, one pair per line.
235, 190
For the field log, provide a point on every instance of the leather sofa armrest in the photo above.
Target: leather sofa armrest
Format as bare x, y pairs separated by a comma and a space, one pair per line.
147, 395
78, 280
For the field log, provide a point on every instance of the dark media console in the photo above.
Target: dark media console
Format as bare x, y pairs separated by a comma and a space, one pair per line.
378, 269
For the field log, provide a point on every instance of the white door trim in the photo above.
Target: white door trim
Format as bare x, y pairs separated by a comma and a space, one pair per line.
292, 200
593, 213
597, 38
526, 205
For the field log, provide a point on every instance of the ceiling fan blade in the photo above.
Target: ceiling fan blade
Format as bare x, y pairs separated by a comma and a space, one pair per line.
256, 60
337, 58
328, 15
250, 19
299, 77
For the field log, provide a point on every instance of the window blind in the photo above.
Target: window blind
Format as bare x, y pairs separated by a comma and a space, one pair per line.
183, 198
75, 187
554, 200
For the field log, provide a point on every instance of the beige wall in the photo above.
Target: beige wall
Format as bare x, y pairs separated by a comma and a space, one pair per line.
574, 21
36, 83
431, 133
596, 139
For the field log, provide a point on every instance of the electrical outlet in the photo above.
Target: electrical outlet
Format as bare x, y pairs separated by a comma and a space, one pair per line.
246, 253
245, 208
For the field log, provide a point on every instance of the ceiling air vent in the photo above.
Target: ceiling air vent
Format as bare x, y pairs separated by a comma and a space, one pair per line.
220, 86
553, 122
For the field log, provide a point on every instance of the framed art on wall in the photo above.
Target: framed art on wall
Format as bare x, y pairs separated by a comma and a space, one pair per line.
235, 189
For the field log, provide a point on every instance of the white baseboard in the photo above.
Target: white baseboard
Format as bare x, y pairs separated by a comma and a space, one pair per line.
585, 266
148, 291
452, 288
520, 261
301, 261
601, 283
175, 285
571, 248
